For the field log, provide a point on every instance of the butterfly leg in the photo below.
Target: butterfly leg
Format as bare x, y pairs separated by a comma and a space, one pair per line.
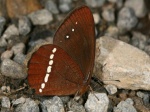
90, 88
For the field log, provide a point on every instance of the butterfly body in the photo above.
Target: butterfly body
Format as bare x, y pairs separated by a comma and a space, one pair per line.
65, 67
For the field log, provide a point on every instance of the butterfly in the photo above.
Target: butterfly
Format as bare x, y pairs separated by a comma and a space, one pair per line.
65, 67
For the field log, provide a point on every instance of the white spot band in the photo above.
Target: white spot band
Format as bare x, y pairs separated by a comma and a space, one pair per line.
51, 56
49, 69
46, 78
54, 50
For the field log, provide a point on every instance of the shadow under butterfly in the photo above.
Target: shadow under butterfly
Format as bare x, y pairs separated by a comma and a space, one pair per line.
66, 66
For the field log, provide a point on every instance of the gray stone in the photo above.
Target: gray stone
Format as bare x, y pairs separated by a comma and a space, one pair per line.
96, 18
29, 106
112, 31
41, 17
12, 30
12, 69
95, 3
2, 24
140, 94
3, 42
124, 106
129, 101
121, 64
3, 88
75, 106
139, 40
138, 6
7, 54
51, 6
126, 20
24, 25
97, 105
111, 89
53, 105
19, 58
18, 48
119, 3
144, 96
20, 100
109, 14
5, 102
65, 5
146, 99
65, 99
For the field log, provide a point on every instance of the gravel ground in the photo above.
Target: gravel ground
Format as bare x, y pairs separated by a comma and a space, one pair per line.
122, 50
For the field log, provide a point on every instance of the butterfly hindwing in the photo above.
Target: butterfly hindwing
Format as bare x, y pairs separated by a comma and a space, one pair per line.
55, 73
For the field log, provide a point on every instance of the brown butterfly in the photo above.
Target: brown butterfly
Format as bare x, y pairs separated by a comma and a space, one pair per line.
65, 67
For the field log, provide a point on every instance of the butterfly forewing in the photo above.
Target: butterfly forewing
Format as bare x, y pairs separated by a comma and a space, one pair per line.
53, 72
76, 35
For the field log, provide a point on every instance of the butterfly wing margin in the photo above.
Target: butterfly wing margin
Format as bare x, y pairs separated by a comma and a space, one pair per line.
65, 76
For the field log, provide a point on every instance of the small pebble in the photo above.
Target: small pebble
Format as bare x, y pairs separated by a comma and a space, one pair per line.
108, 15
124, 106
5, 102
111, 89
51, 6
126, 20
99, 103
20, 100
141, 11
18, 48
95, 3
123, 95
138, 40
119, 3
29, 106
3, 42
65, 5
2, 24
75, 107
129, 101
19, 58
65, 99
11, 30
24, 26
96, 18
3, 88
146, 99
7, 54
144, 96
112, 31
12, 69
53, 105
41, 17
140, 94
